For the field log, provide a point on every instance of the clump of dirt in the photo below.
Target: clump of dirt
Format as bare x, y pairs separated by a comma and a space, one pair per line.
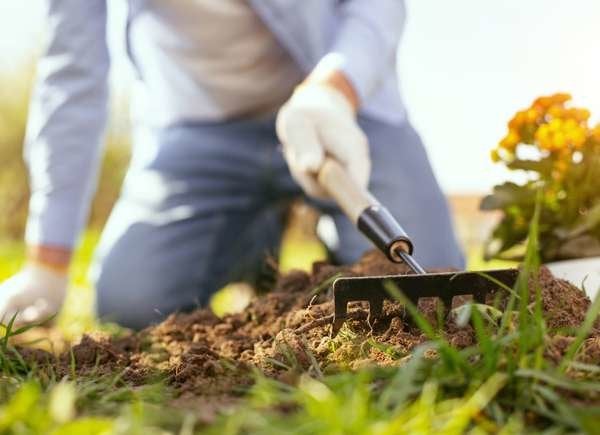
563, 304
288, 331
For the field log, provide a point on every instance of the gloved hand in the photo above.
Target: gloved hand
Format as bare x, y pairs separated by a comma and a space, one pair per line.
318, 120
36, 293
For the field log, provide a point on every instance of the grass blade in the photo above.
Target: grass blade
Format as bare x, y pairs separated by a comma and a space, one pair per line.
584, 330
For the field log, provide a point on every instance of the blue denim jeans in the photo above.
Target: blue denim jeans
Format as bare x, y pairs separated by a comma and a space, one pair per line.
202, 205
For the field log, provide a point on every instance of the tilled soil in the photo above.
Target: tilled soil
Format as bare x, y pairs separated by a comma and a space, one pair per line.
287, 331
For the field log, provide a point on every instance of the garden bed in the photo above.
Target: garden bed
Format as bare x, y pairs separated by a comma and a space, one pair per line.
287, 332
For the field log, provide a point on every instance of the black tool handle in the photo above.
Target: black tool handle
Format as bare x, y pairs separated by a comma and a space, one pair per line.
379, 226
371, 218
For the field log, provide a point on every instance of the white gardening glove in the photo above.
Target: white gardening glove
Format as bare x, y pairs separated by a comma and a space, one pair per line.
318, 120
35, 293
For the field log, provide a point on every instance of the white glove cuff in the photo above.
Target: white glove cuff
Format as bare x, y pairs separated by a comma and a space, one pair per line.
53, 280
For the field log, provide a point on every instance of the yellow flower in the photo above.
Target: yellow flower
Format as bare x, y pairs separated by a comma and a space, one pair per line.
532, 115
559, 140
580, 115
560, 134
577, 137
555, 125
510, 141
570, 124
543, 137
574, 132
554, 129
556, 111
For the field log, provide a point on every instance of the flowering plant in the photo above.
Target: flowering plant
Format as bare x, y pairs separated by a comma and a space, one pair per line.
560, 154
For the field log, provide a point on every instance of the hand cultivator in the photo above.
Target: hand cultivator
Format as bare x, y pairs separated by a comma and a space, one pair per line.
377, 224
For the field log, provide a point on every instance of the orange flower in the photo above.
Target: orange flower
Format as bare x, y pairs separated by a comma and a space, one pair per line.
547, 101
561, 98
542, 102
518, 120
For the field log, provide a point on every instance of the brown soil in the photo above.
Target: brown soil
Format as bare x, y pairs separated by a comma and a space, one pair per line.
287, 330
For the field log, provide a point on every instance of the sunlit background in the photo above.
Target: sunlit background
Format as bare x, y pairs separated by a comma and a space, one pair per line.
466, 66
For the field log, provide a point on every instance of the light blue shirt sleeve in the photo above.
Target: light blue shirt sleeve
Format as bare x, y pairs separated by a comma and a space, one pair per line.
367, 41
67, 119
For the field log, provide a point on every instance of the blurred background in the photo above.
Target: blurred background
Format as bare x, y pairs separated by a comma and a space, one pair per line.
465, 67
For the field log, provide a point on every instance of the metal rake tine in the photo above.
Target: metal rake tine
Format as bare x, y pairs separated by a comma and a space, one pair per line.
336, 326
447, 303
375, 306
480, 296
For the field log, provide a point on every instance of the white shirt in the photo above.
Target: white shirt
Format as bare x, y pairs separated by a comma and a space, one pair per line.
69, 109
221, 48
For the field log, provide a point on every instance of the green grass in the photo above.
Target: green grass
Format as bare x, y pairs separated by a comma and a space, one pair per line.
504, 384
87, 406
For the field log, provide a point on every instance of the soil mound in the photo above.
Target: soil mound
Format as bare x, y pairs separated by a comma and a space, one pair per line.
288, 329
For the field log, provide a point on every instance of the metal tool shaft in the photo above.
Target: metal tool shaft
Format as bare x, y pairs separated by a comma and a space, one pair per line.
411, 262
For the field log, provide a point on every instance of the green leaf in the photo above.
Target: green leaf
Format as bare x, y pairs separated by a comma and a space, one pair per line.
543, 166
558, 380
587, 221
506, 236
90, 425
507, 194
20, 405
462, 415
587, 418
62, 402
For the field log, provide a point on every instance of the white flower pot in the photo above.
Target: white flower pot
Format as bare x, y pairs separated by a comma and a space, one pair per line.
582, 272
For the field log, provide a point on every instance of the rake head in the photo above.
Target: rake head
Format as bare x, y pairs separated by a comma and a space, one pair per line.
444, 286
